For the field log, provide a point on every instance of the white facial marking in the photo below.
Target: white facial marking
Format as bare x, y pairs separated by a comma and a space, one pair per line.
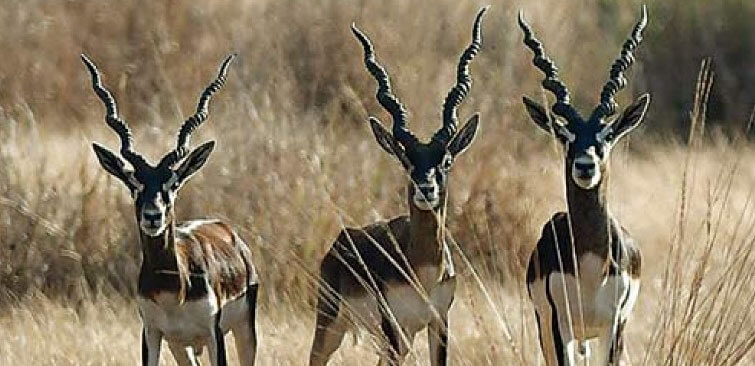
586, 178
426, 201
570, 136
148, 226
150, 231
172, 181
137, 184
601, 136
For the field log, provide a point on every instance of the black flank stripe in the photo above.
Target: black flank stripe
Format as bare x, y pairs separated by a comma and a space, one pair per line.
443, 350
385, 324
251, 300
220, 341
145, 350
558, 343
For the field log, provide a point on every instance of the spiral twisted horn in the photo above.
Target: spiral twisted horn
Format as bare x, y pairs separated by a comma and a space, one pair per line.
552, 83
384, 93
616, 80
463, 83
193, 122
111, 116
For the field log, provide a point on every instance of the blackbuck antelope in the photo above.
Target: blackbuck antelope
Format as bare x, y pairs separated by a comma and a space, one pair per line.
397, 277
584, 275
197, 280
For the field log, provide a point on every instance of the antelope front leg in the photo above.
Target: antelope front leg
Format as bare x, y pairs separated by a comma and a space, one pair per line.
437, 331
610, 346
437, 338
151, 342
398, 347
185, 356
217, 344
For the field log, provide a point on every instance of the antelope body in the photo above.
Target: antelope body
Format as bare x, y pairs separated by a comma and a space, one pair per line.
397, 277
584, 275
197, 280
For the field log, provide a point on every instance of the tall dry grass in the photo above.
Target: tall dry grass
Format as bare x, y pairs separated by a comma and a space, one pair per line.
295, 161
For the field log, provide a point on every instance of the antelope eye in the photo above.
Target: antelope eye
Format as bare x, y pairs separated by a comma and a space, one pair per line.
446, 164
135, 183
600, 151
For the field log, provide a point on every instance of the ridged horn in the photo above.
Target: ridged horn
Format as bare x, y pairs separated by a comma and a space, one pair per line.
463, 83
552, 83
616, 79
193, 122
111, 116
384, 93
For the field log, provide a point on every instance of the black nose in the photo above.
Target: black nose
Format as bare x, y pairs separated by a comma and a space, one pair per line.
584, 166
152, 218
428, 192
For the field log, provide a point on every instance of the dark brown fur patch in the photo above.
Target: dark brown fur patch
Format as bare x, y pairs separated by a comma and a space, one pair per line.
214, 249
365, 258
556, 235
205, 255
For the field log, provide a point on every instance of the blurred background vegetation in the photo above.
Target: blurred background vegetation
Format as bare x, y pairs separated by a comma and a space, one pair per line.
301, 56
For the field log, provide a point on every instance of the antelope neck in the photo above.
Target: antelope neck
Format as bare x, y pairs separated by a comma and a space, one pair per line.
159, 252
426, 233
589, 215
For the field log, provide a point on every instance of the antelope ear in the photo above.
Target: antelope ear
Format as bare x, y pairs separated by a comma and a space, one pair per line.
193, 163
632, 116
113, 164
388, 142
538, 114
543, 120
465, 136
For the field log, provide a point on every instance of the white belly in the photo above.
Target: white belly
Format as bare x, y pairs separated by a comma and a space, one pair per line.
412, 310
192, 322
593, 301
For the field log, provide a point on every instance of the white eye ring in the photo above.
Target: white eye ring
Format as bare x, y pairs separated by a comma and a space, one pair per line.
171, 182
601, 136
446, 164
570, 136
134, 182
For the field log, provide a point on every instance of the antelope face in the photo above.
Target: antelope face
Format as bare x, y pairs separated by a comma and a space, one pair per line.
154, 188
587, 143
428, 173
153, 199
427, 164
587, 157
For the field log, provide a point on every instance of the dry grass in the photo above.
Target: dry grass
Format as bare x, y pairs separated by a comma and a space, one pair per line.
295, 160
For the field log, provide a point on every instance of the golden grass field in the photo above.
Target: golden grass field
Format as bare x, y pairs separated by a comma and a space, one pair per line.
296, 161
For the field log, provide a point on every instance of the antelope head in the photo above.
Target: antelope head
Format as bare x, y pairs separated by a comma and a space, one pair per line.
154, 187
427, 163
587, 141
